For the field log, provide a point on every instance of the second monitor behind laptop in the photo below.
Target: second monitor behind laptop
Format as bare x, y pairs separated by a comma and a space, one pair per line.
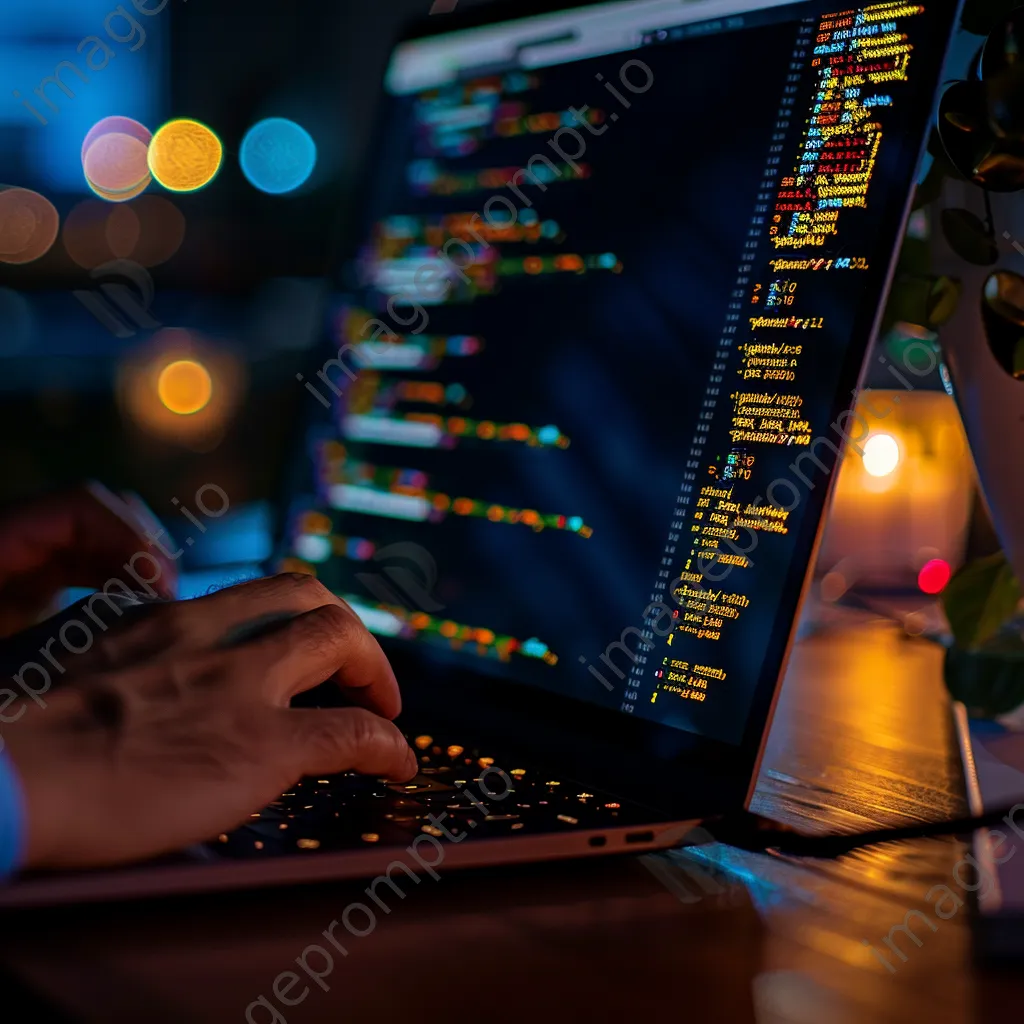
620, 269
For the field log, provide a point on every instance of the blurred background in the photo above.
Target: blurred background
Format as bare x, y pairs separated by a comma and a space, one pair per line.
154, 339
235, 269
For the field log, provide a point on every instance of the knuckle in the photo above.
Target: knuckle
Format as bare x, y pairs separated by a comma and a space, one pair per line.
332, 620
300, 590
308, 585
362, 728
321, 628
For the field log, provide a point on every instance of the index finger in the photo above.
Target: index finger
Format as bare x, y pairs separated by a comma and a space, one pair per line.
346, 739
329, 642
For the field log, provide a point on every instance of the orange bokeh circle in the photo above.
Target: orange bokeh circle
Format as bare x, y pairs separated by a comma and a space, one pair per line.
29, 224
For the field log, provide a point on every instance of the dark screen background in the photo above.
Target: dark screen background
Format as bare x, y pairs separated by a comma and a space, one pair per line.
619, 362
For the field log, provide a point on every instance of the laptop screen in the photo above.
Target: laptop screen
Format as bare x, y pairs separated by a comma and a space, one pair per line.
588, 371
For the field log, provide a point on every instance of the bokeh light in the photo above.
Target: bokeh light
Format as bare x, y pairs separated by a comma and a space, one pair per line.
277, 155
29, 224
934, 576
126, 195
116, 166
161, 231
881, 454
180, 387
114, 158
85, 234
121, 232
120, 125
185, 155
185, 387
148, 230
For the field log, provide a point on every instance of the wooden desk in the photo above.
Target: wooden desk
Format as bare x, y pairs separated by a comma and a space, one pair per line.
862, 737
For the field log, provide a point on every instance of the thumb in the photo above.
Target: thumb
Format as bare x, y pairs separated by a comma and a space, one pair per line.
325, 741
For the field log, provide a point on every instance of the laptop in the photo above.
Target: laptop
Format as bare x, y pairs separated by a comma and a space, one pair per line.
568, 444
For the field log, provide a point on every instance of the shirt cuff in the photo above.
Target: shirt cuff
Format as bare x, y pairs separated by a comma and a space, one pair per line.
12, 819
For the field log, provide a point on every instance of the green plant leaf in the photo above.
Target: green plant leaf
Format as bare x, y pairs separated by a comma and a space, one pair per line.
915, 259
980, 599
968, 237
931, 188
990, 681
908, 300
943, 300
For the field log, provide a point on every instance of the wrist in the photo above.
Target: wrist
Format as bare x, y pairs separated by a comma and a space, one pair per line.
13, 819
46, 758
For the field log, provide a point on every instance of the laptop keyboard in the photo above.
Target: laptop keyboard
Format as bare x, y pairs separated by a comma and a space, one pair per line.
457, 789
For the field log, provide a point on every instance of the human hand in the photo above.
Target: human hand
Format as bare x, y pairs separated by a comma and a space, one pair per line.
79, 538
178, 738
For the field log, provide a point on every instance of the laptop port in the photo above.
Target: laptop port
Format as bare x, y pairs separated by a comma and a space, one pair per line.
640, 837
597, 840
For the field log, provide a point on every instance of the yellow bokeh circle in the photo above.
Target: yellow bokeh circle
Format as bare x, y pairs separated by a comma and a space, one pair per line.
185, 155
185, 387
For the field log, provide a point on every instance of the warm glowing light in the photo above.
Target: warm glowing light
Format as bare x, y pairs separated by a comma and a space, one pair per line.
161, 232
185, 387
114, 158
116, 166
121, 231
84, 235
422, 742
185, 155
147, 231
125, 196
934, 576
165, 400
115, 123
881, 454
29, 224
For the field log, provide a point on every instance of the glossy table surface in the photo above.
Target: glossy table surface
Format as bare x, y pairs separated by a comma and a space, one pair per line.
863, 736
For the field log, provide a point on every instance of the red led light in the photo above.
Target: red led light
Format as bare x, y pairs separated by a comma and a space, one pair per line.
934, 576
